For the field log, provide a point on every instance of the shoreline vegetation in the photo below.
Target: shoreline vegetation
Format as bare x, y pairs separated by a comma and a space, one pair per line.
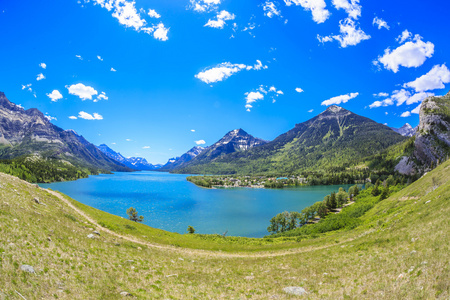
282, 181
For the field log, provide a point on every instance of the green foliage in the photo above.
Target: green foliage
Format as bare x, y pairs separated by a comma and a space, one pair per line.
191, 229
33, 169
133, 215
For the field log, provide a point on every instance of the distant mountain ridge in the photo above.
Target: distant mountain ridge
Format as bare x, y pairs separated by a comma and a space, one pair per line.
177, 162
330, 141
405, 130
135, 163
28, 132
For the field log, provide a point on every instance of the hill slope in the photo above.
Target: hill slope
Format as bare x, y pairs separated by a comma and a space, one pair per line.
399, 252
329, 142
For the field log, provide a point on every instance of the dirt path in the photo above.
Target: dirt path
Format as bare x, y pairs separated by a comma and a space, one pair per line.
186, 250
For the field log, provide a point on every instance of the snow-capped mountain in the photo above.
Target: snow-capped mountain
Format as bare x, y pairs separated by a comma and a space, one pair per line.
135, 163
405, 130
177, 162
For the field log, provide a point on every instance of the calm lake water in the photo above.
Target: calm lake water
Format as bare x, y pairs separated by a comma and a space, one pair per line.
169, 202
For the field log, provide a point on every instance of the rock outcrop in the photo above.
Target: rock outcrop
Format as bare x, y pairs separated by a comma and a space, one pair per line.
432, 140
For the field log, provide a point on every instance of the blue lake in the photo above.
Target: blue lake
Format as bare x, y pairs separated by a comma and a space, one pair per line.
169, 202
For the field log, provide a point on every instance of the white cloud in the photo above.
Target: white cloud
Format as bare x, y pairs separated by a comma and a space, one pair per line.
27, 87
50, 118
219, 22
146, 147
86, 116
259, 93
352, 7
128, 140
204, 5
101, 96
153, 14
350, 35
126, 13
99, 58
55, 95
317, 7
380, 23
113, 70
299, 90
434, 79
340, 99
40, 77
43, 66
270, 9
193, 130
79, 57
411, 54
161, 32
405, 114
400, 97
225, 70
417, 109
200, 142
82, 91
73, 118
381, 95
311, 110
406, 35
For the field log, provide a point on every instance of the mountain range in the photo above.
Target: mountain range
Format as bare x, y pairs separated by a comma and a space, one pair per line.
29, 133
405, 130
135, 163
331, 141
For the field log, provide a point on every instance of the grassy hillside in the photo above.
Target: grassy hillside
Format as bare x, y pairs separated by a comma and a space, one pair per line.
399, 251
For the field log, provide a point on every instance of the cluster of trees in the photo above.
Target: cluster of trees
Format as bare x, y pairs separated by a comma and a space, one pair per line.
286, 221
43, 170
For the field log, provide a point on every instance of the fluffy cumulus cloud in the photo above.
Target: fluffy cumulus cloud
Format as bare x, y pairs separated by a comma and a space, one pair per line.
410, 54
400, 97
126, 13
225, 70
99, 58
40, 77
73, 118
351, 7
87, 116
220, 20
153, 14
113, 70
101, 96
259, 94
417, 109
200, 142
434, 79
317, 7
82, 91
350, 35
43, 66
204, 5
161, 32
340, 99
270, 9
55, 95
146, 147
192, 130
79, 57
299, 90
27, 87
380, 23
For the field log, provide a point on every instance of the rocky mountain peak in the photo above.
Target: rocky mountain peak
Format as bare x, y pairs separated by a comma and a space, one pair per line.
334, 111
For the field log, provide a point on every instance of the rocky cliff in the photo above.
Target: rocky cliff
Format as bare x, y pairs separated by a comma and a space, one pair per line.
432, 140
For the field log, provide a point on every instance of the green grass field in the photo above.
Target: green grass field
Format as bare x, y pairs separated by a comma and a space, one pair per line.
399, 251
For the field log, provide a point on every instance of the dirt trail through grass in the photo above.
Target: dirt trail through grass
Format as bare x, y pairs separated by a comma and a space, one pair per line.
186, 250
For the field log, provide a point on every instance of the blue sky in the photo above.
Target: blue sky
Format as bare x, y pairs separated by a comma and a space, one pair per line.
155, 78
